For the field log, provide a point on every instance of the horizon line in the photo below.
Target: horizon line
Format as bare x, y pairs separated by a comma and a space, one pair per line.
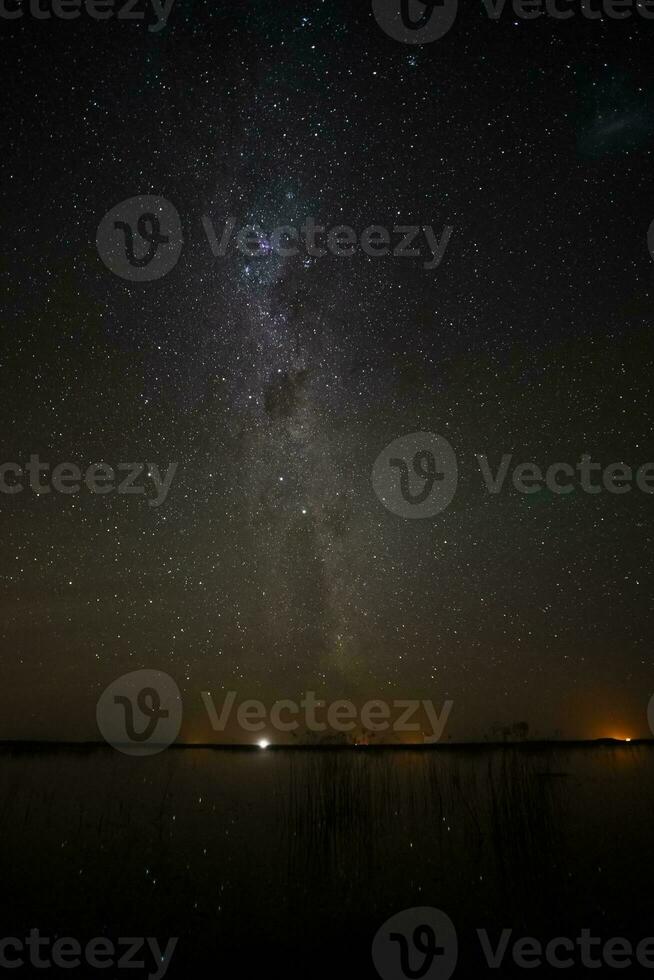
321, 747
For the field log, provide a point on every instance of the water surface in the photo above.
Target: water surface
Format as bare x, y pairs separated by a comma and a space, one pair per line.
298, 856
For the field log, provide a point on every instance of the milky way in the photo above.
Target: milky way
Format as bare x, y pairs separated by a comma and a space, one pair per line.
275, 382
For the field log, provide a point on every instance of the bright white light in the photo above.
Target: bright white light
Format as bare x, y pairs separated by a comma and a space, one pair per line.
263, 744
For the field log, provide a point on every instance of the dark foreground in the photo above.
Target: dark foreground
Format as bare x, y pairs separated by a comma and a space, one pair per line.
288, 862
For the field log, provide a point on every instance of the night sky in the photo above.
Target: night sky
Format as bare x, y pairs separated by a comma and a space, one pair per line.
272, 567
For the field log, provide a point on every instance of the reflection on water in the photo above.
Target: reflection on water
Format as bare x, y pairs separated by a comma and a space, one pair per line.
308, 852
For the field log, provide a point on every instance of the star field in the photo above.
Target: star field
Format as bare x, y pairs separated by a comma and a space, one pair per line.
274, 382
